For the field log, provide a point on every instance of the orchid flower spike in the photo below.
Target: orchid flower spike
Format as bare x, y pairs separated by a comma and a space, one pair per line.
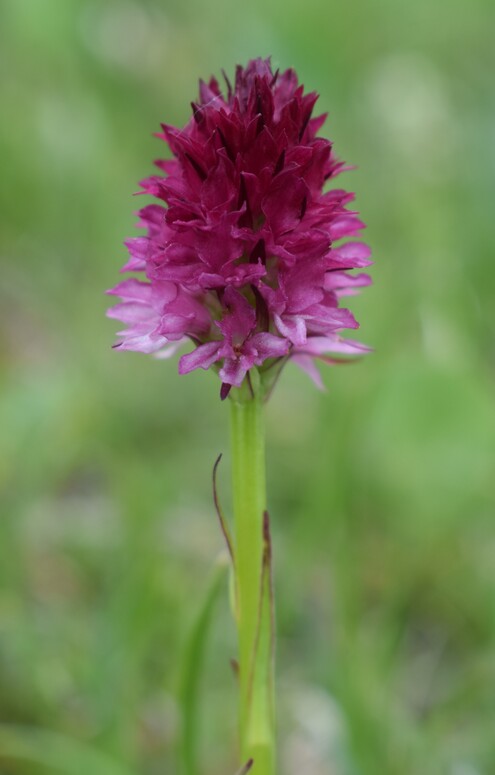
240, 257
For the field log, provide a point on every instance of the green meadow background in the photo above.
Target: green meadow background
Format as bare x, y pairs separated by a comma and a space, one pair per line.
381, 489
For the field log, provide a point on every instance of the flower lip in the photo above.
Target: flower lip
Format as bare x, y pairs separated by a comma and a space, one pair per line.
239, 254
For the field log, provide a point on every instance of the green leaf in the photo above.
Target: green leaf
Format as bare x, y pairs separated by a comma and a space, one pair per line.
192, 670
55, 752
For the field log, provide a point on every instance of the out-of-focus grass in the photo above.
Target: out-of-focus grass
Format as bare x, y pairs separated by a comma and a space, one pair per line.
381, 490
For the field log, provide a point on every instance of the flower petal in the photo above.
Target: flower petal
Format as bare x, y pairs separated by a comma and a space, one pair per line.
201, 358
268, 346
307, 364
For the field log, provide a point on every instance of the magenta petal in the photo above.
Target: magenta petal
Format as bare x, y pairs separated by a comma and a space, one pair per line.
284, 203
342, 281
319, 345
234, 370
241, 318
345, 226
131, 312
174, 324
138, 247
146, 344
134, 265
292, 326
338, 318
201, 358
131, 290
268, 346
155, 294
353, 254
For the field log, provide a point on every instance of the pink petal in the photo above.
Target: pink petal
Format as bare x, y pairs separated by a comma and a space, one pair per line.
345, 226
146, 344
319, 345
268, 346
354, 254
132, 312
343, 281
241, 318
307, 364
234, 370
291, 326
201, 358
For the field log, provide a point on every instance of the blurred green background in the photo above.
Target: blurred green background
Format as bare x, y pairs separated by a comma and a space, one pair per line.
381, 490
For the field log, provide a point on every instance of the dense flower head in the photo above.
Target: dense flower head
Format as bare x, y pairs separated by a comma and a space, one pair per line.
240, 254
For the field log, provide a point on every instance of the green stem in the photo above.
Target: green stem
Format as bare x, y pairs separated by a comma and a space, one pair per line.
253, 586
